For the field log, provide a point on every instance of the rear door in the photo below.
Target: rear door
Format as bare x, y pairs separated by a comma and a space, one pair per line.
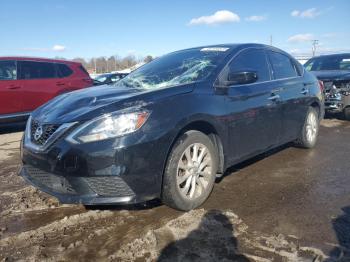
40, 83
10, 88
255, 120
293, 93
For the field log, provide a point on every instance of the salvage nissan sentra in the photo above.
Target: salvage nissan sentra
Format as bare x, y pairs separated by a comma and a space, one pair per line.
171, 127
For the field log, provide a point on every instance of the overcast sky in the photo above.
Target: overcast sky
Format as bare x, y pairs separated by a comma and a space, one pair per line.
84, 28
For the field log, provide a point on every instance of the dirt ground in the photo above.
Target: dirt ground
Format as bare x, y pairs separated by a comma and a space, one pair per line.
287, 205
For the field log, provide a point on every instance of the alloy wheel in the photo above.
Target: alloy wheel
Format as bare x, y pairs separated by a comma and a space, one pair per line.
194, 171
311, 127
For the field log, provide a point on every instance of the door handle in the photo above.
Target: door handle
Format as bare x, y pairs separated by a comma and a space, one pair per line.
59, 84
274, 97
12, 87
304, 91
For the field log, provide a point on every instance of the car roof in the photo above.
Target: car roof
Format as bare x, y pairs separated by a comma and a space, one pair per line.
236, 47
332, 55
39, 59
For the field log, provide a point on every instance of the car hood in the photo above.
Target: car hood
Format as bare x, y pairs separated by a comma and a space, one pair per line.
334, 75
92, 102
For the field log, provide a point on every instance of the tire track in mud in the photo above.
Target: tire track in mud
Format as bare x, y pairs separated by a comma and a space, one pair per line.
93, 234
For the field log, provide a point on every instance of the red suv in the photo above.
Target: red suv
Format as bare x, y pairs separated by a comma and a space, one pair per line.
27, 83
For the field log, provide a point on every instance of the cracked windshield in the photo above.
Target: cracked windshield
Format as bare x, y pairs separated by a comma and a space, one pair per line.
176, 68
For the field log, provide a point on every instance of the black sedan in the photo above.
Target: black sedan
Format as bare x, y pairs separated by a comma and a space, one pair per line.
171, 127
334, 72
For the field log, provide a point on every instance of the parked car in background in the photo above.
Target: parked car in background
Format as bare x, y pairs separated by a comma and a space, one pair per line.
169, 128
27, 83
109, 78
334, 72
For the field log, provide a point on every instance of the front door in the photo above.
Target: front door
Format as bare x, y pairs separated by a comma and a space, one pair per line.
255, 111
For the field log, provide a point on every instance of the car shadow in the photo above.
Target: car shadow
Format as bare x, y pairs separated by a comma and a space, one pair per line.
253, 160
341, 226
12, 128
139, 206
213, 240
339, 116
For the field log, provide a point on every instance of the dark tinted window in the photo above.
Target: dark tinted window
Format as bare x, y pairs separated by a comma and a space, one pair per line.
64, 70
8, 70
36, 70
338, 62
282, 66
251, 60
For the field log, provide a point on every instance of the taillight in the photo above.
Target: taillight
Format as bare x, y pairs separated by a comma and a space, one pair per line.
321, 85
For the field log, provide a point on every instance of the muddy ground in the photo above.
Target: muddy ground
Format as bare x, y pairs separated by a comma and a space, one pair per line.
288, 205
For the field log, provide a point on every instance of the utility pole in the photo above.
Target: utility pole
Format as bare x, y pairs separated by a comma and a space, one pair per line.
270, 40
314, 46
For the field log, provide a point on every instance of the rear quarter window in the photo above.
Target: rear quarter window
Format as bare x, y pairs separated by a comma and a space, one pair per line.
64, 70
83, 70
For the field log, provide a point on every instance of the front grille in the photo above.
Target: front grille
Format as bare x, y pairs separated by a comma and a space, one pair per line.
58, 184
109, 186
47, 131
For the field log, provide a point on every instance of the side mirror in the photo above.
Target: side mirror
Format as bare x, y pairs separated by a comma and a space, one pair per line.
239, 78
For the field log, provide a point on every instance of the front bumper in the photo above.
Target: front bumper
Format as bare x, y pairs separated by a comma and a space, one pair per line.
335, 104
89, 191
121, 170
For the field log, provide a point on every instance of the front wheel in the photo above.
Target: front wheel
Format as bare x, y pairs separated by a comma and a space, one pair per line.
309, 132
347, 113
190, 171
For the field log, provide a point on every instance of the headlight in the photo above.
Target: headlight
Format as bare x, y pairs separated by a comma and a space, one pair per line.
108, 126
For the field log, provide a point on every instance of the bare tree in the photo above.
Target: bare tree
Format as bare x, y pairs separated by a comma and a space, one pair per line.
148, 59
112, 63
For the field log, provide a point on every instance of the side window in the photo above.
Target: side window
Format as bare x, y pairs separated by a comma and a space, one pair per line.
37, 70
282, 66
251, 60
8, 70
344, 64
64, 70
309, 65
115, 78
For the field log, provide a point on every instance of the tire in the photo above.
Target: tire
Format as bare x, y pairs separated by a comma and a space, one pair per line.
347, 113
189, 178
309, 133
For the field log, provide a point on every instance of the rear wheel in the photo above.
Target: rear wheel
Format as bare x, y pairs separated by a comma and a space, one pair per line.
190, 172
347, 113
309, 132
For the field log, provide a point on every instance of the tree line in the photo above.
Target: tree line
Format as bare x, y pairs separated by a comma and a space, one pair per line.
108, 64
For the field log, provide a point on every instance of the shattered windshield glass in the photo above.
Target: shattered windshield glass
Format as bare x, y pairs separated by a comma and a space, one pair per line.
177, 68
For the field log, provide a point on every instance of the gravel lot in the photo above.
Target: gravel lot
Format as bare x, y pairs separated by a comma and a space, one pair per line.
288, 205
